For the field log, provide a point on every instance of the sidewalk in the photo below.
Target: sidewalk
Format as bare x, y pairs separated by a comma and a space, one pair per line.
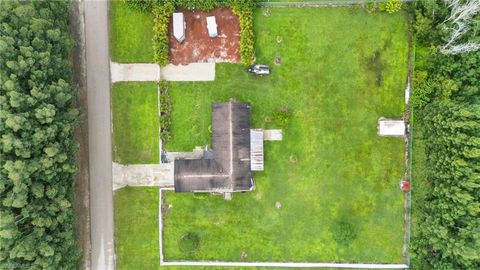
141, 72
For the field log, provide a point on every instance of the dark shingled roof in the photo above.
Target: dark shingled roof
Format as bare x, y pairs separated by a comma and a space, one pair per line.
229, 170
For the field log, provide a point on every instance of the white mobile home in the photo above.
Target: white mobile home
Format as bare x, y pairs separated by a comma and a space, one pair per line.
212, 26
179, 26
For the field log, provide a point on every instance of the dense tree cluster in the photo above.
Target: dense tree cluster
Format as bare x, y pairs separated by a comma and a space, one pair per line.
446, 102
449, 235
37, 147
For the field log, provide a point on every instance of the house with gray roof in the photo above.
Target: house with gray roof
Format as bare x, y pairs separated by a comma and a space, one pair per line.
228, 167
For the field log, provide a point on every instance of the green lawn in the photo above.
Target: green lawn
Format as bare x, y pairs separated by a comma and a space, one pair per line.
340, 199
130, 34
337, 181
135, 123
136, 210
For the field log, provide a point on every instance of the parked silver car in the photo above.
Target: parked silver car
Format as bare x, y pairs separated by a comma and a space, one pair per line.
259, 69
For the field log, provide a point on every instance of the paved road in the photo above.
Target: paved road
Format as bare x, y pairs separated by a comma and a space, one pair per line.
99, 130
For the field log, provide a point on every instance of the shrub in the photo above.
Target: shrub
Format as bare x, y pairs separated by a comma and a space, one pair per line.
344, 232
142, 5
282, 116
204, 5
244, 10
161, 18
371, 7
165, 111
391, 6
189, 242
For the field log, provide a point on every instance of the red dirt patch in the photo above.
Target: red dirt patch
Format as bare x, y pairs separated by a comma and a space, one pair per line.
198, 46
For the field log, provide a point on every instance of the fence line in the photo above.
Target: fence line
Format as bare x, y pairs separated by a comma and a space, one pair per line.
330, 3
287, 264
260, 264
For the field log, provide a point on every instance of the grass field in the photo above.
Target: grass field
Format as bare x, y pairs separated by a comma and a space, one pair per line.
135, 123
130, 34
337, 181
136, 210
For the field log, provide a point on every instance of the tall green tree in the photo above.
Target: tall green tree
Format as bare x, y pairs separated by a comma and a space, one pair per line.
446, 105
37, 147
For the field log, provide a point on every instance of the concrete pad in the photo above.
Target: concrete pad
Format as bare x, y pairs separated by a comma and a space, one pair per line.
197, 153
389, 127
160, 175
137, 72
190, 72
272, 135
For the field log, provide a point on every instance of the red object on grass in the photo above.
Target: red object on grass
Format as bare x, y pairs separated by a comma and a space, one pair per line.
405, 186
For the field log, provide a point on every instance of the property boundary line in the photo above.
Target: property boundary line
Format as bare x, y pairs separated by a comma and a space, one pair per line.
160, 142
331, 3
407, 198
260, 264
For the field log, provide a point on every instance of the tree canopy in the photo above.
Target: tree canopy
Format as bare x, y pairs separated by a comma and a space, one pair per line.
446, 104
37, 147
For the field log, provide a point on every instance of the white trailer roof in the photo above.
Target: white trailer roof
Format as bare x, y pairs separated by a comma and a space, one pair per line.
388, 127
178, 26
212, 26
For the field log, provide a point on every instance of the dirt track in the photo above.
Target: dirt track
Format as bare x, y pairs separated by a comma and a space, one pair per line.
198, 46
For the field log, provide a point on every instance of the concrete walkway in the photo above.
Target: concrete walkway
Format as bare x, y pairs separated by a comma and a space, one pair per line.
272, 135
197, 153
140, 72
160, 175
191, 72
134, 72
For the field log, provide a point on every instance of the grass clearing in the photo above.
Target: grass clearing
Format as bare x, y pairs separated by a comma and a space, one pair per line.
336, 179
135, 123
130, 34
136, 228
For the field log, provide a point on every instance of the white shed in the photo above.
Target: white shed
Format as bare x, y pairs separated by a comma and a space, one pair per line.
388, 127
212, 26
179, 26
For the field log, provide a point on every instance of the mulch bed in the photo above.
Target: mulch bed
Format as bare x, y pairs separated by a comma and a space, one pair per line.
198, 46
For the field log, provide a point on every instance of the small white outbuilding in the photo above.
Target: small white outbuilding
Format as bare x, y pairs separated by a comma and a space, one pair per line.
212, 26
388, 127
179, 26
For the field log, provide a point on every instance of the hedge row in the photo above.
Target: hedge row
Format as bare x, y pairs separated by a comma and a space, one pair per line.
142, 5
244, 9
165, 111
161, 18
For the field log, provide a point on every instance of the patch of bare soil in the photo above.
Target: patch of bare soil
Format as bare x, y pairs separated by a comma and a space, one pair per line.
198, 46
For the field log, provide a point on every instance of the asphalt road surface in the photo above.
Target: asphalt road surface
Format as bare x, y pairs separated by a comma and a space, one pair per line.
99, 133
